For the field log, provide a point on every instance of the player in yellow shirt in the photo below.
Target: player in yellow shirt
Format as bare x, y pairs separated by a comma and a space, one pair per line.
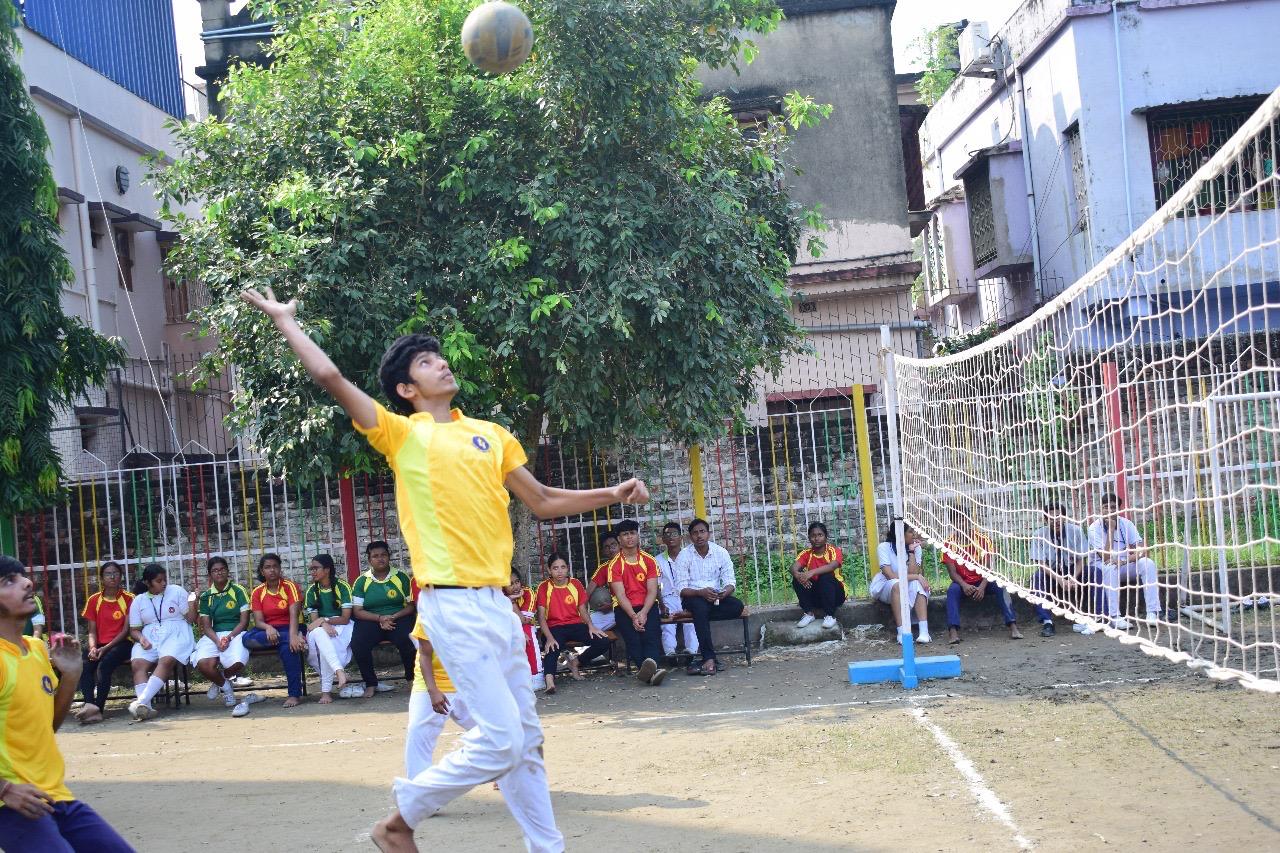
37, 812
452, 475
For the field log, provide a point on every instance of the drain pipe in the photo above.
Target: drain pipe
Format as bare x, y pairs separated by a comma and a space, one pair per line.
1028, 175
914, 325
1124, 133
86, 240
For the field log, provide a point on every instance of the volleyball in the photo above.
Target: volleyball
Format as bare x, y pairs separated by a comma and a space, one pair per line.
497, 37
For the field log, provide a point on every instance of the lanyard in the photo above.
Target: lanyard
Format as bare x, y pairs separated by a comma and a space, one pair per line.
154, 609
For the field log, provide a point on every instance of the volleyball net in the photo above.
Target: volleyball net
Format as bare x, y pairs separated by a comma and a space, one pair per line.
1152, 379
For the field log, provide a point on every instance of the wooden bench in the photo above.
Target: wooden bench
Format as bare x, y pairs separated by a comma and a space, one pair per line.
683, 617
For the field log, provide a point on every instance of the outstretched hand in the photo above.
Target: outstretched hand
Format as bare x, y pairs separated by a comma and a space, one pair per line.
64, 654
633, 491
268, 304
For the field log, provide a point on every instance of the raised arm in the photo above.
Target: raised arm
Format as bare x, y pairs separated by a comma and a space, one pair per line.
550, 502
358, 405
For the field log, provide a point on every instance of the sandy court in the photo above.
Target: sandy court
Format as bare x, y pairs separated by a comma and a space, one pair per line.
1069, 743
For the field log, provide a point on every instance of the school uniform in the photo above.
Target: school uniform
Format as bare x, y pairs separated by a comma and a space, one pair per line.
223, 608
529, 610
635, 575
1124, 535
384, 597
452, 504
826, 591
110, 620
425, 724
603, 620
28, 685
565, 622
669, 591
274, 607
163, 620
1060, 551
965, 558
881, 586
328, 654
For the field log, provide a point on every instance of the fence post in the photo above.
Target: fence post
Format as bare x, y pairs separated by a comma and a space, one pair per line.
858, 401
695, 482
1111, 387
347, 511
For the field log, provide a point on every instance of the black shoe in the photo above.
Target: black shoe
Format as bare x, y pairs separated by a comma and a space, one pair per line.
1047, 630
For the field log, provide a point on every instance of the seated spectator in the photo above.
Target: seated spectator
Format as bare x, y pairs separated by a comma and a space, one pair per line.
220, 653
608, 550
561, 603
886, 583
160, 618
433, 701
327, 605
107, 615
669, 592
34, 626
277, 617
962, 555
633, 579
1119, 554
817, 580
382, 604
521, 598
1061, 551
704, 573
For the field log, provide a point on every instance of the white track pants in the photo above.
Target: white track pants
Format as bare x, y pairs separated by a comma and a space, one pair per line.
480, 641
328, 654
425, 726
1144, 570
669, 631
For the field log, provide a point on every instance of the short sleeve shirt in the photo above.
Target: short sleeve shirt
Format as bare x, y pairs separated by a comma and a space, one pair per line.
27, 687
887, 555
223, 608
384, 597
562, 602
110, 616
1060, 551
330, 601
1124, 536
443, 683
148, 609
811, 559
966, 557
525, 602
450, 494
634, 576
275, 605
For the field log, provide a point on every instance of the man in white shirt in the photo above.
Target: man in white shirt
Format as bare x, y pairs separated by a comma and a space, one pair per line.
1060, 550
1119, 553
705, 578
673, 539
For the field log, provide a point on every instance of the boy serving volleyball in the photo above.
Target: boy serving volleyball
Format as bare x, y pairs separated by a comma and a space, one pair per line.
452, 475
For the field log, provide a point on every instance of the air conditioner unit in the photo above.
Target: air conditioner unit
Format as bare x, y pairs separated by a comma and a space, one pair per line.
975, 50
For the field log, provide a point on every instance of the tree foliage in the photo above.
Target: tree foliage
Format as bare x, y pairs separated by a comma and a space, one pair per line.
941, 49
47, 359
591, 238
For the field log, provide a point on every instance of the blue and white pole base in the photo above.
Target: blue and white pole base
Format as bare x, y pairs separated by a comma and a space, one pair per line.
907, 669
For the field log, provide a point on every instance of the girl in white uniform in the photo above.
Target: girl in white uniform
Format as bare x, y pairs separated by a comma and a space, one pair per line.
885, 583
160, 623
432, 702
328, 608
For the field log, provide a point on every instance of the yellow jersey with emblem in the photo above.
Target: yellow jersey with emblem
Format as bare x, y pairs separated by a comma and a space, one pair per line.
450, 494
29, 754
443, 684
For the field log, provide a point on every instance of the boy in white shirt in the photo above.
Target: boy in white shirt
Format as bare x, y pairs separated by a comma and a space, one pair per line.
1120, 554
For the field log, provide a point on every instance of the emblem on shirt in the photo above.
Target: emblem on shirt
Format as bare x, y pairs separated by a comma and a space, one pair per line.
119, 614
231, 605
391, 593
480, 443
172, 609
47, 683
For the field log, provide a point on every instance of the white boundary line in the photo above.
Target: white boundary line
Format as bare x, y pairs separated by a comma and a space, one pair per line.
817, 706
985, 797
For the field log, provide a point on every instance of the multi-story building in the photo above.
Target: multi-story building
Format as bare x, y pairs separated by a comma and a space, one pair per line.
1069, 126
106, 81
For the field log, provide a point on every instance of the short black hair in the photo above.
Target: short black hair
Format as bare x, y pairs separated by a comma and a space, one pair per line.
375, 544
608, 534
10, 566
671, 525
1111, 499
628, 525
109, 564
1051, 507
262, 561
394, 368
818, 525
213, 561
696, 522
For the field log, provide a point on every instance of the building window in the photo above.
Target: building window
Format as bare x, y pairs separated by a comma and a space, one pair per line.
1079, 179
124, 257
1184, 138
935, 257
982, 224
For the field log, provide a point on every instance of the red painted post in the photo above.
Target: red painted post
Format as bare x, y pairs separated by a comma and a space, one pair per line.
1111, 387
347, 510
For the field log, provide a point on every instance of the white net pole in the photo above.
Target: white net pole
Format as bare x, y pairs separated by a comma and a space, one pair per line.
1121, 446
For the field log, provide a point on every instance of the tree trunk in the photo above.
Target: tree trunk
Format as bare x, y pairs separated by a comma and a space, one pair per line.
524, 527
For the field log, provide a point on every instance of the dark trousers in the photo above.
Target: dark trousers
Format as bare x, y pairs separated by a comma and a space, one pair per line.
95, 678
704, 613
956, 596
574, 634
825, 593
72, 827
256, 638
1089, 599
365, 635
640, 646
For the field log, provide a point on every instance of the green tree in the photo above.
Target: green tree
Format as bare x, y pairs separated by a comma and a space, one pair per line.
47, 359
941, 49
593, 240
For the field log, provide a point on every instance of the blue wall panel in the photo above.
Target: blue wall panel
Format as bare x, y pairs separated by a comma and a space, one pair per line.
131, 42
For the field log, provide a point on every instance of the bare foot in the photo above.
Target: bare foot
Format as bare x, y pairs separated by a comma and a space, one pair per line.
953, 636
291, 702
577, 676
90, 715
340, 676
393, 835
325, 699
368, 693
1014, 633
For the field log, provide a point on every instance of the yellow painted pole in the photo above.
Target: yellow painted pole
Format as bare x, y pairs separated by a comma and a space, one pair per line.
858, 401
695, 482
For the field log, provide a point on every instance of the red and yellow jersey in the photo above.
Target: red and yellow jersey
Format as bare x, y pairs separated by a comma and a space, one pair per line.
965, 558
525, 603
811, 559
633, 575
29, 754
562, 602
601, 575
275, 605
110, 616
451, 494
437, 668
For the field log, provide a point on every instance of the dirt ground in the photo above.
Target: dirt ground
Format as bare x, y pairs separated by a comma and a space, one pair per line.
1070, 743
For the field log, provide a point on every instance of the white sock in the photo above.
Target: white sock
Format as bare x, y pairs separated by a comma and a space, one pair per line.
140, 689
924, 632
153, 686
226, 686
